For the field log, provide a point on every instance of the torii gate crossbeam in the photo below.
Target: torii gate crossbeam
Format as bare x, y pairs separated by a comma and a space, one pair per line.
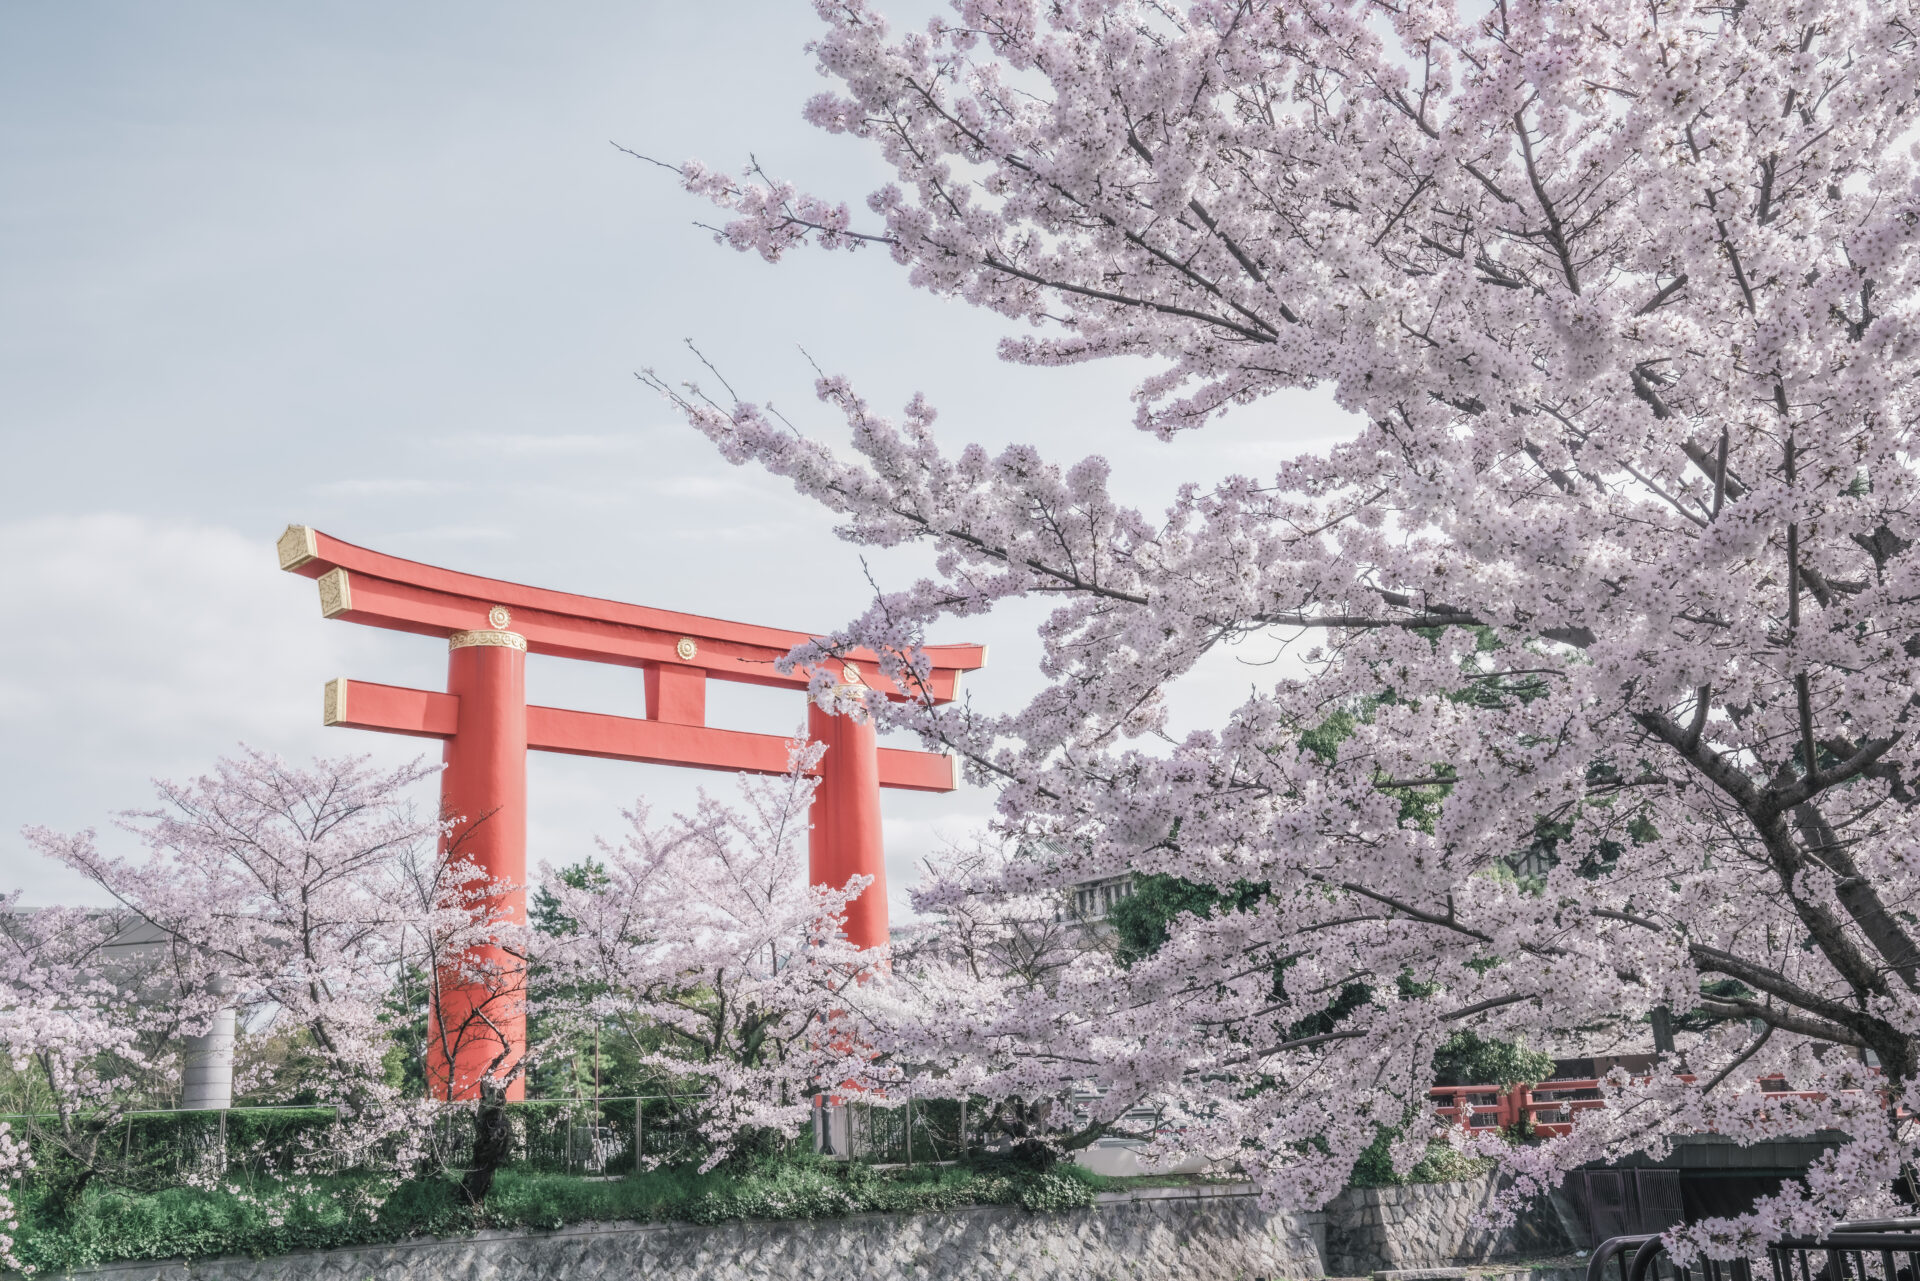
487, 728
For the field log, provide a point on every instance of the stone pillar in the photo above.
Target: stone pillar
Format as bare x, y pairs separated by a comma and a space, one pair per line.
206, 1061
845, 840
481, 1026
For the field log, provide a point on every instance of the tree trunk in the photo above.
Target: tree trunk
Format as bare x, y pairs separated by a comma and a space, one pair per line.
491, 1138
61, 1201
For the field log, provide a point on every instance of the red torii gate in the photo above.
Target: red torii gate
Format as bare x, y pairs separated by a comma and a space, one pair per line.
487, 728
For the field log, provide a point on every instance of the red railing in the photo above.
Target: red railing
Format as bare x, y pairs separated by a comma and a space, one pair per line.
1549, 1105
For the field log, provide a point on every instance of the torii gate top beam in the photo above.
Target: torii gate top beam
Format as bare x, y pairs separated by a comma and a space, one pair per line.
362, 586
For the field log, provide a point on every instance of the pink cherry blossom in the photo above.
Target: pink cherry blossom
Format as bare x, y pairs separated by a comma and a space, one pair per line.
1616, 568
700, 939
296, 896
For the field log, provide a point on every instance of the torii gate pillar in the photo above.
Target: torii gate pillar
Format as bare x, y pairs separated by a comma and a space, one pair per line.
485, 785
845, 837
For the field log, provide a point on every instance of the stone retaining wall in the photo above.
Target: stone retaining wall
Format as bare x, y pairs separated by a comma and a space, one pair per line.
1212, 1234
1426, 1225
1153, 1234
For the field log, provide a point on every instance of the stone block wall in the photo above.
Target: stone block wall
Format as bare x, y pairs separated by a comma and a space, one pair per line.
1217, 1233
1425, 1225
1151, 1235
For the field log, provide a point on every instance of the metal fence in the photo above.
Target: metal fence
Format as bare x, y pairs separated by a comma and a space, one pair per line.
571, 1136
162, 1148
583, 1136
605, 1137
944, 1129
911, 1131
1872, 1250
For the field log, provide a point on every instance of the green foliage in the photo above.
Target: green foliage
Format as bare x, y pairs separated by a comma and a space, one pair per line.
1346, 1001
1142, 921
576, 1062
1465, 1059
1484, 688
277, 1217
404, 1013
146, 1150
1441, 1164
1324, 739
545, 914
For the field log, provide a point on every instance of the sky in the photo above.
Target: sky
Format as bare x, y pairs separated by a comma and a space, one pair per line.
379, 269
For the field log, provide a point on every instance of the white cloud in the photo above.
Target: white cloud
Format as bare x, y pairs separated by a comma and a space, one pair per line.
377, 487
145, 648
531, 445
702, 485
456, 534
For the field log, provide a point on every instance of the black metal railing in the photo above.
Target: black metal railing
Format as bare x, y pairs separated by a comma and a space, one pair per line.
607, 1136
913, 1129
909, 1132
582, 1136
1869, 1250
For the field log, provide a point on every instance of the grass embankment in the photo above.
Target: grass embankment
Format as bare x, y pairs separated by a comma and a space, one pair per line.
263, 1218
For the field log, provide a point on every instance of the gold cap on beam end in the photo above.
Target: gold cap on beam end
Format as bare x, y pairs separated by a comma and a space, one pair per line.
505, 640
297, 546
334, 708
336, 596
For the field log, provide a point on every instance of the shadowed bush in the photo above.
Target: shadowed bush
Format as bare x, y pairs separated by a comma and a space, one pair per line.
269, 1217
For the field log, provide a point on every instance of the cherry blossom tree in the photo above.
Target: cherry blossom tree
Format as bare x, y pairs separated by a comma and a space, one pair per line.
700, 941
15, 1159
464, 939
84, 1023
295, 896
1025, 939
975, 986
1617, 566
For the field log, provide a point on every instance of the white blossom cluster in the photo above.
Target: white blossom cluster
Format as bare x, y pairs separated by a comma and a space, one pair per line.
700, 941
314, 902
348, 932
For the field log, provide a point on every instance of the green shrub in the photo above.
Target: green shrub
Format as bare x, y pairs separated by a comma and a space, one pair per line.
275, 1217
1441, 1164
1465, 1059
